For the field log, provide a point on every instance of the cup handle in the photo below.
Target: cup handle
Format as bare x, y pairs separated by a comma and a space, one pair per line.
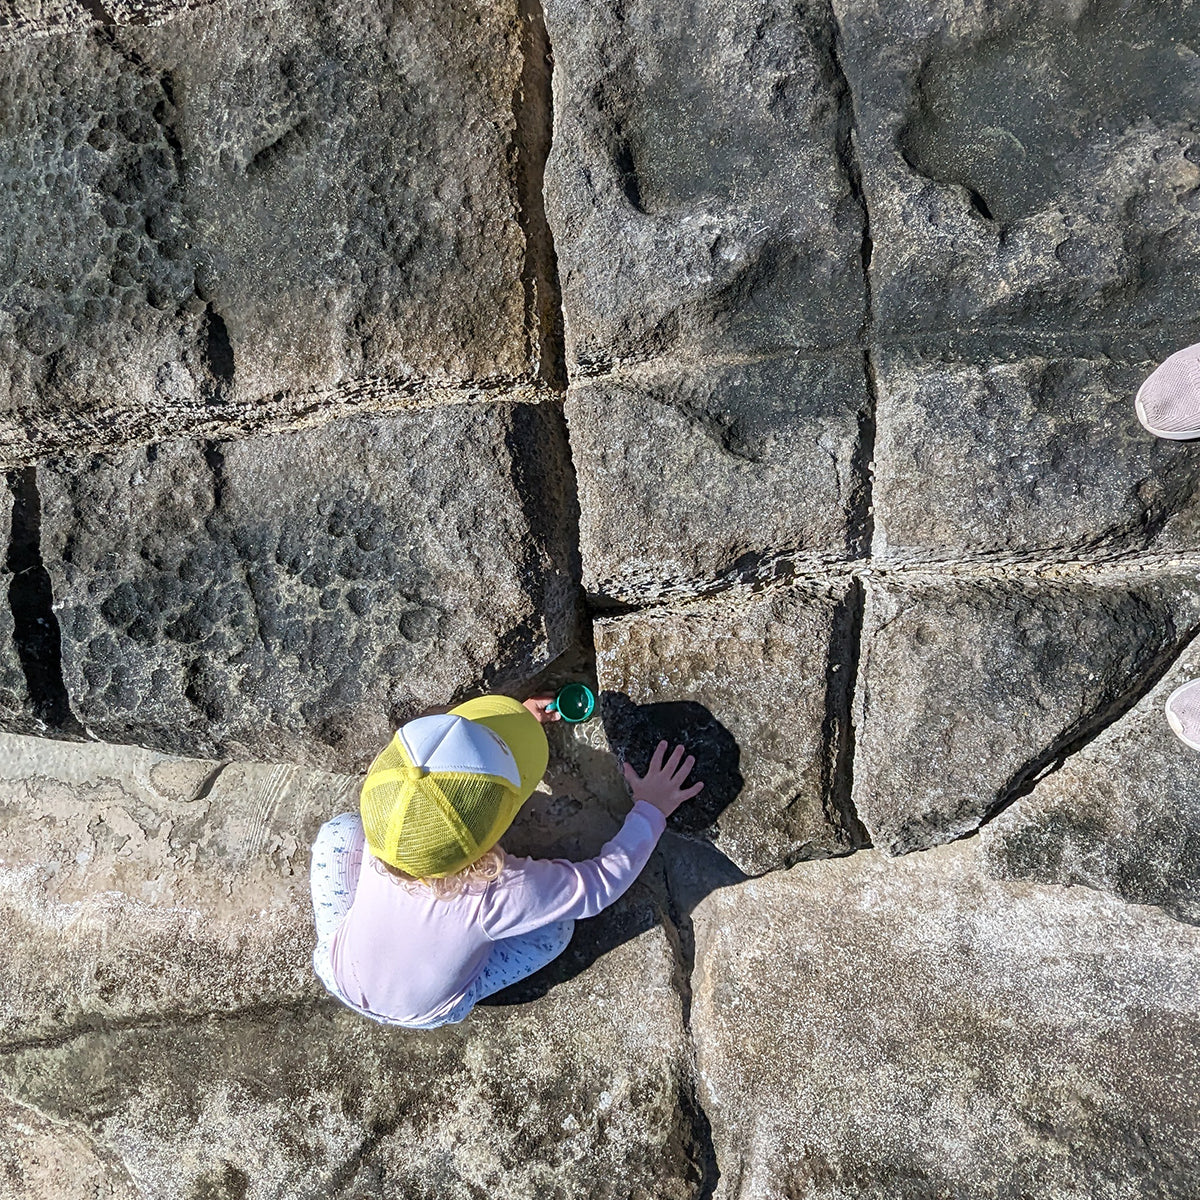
552, 706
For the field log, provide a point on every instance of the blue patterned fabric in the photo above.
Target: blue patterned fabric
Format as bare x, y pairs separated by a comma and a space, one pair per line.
333, 879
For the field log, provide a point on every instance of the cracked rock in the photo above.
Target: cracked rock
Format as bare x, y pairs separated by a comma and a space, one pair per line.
697, 185
692, 475
967, 689
1030, 165
291, 597
1033, 455
1120, 816
582, 1094
757, 691
16, 705
912, 1027
252, 199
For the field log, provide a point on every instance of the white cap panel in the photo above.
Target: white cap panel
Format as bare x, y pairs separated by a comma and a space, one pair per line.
445, 742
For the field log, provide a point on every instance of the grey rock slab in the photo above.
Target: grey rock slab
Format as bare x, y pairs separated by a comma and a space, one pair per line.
253, 198
1032, 455
968, 688
756, 687
290, 597
1028, 165
694, 475
1122, 815
135, 885
871, 1027
696, 184
583, 1093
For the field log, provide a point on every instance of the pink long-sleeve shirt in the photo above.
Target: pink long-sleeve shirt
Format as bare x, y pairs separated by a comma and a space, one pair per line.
404, 955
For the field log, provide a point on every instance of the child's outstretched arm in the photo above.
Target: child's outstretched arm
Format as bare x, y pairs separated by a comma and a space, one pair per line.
533, 892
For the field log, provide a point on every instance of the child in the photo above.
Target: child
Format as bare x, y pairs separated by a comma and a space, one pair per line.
419, 911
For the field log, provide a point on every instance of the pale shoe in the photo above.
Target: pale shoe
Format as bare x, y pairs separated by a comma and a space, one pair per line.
1168, 403
1183, 713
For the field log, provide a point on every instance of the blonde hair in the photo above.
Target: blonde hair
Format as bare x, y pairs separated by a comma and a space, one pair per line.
487, 867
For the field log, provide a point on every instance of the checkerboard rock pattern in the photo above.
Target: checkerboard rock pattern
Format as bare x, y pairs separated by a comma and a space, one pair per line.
769, 366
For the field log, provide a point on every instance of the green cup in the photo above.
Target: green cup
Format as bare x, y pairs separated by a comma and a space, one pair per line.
574, 702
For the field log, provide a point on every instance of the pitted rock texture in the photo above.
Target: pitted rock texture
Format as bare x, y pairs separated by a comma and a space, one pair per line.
998, 1043
1035, 455
255, 198
1122, 815
692, 476
293, 597
700, 198
757, 690
968, 689
1029, 165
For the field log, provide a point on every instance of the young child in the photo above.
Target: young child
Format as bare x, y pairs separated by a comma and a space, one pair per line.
419, 911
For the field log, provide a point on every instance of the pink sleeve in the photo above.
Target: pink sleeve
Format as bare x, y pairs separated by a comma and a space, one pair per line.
536, 891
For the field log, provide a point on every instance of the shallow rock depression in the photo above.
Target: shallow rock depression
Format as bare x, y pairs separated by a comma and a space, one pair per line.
768, 366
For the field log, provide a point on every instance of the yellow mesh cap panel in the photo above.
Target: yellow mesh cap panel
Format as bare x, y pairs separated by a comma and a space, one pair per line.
449, 821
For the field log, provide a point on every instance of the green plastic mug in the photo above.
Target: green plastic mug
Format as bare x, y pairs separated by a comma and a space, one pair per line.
574, 702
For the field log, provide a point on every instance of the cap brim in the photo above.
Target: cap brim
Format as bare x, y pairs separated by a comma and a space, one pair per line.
522, 733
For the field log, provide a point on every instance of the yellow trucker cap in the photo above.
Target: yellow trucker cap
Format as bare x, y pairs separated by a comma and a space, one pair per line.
446, 787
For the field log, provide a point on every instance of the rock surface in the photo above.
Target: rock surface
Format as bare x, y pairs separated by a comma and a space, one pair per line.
290, 597
1028, 166
697, 185
694, 476
250, 199
876, 1027
757, 690
1036, 455
1121, 815
968, 688
159, 1007
854, 299
16, 705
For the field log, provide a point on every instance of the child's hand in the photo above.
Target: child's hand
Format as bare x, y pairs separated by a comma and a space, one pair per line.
537, 706
662, 785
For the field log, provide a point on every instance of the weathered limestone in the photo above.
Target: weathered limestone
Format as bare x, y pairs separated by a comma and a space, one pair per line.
968, 688
289, 597
250, 199
580, 1094
1029, 165
696, 183
135, 886
158, 1004
756, 687
1034, 455
876, 1027
690, 476
1122, 815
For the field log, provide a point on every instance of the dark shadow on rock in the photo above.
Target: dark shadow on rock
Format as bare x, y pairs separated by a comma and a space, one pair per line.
633, 731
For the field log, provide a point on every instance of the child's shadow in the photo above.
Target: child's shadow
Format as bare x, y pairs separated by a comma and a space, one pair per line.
633, 731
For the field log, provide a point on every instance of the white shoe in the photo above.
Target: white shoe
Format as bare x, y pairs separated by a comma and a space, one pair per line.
1183, 713
1168, 403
